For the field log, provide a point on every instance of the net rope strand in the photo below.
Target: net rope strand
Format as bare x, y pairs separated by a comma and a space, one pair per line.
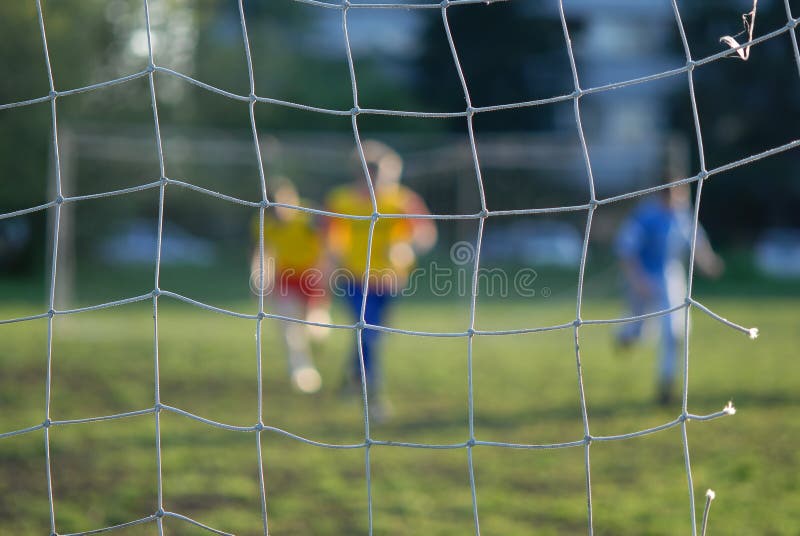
475, 267
587, 441
157, 271
516, 212
62, 198
791, 24
261, 263
690, 276
365, 282
53, 268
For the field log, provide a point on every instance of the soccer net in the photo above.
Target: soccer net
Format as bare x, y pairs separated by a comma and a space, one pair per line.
165, 183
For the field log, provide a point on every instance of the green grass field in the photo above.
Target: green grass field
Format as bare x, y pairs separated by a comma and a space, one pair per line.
525, 388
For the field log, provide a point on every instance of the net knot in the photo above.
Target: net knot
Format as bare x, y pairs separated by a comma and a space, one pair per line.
264, 203
360, 324
483, 214
158, 407
471, 442
252, 97
47, 423
151, 68
703, 175
53, 94
346, 4
160, 513
375, 216
259, 426
691, 64
355, 110
51, 313
471, 332
59, 199
444, 3
156, 292
578, 93
470, 110
587, 439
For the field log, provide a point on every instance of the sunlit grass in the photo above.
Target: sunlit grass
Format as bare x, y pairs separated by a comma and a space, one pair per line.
525, 391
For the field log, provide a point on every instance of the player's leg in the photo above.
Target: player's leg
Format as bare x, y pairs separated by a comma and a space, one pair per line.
676, 294
366, 349
667, 361
318, 309
375, 314
668, 341
354, 302
631, 332
372, 315
303, 373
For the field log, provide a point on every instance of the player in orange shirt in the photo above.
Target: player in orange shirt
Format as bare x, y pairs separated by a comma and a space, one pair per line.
292, 278
396, 242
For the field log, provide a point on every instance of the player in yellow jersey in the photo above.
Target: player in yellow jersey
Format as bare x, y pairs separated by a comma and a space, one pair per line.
292, 279
396, 242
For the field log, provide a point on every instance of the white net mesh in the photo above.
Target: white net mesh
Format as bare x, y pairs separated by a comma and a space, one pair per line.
260, 428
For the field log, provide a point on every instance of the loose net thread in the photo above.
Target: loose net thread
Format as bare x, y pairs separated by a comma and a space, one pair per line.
470, 111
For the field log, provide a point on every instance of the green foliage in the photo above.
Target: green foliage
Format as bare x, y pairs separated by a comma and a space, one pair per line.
509, 52
745, 107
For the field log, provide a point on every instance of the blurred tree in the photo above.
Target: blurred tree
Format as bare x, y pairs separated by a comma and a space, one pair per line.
509, 52
745, 107
89, 41
22, 147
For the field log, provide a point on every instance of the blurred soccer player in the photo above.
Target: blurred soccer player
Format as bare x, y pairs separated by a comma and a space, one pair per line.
395, 245
651, 245
292, 279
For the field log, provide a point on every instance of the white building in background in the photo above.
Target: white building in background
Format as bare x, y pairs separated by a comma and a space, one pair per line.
628, 129
613, 41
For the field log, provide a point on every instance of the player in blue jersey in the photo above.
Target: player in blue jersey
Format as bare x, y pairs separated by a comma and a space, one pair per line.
651, 244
